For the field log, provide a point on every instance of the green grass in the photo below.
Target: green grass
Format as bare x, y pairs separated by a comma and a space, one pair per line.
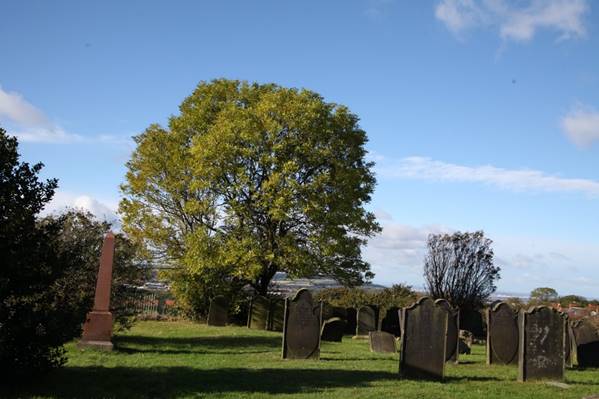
187, 360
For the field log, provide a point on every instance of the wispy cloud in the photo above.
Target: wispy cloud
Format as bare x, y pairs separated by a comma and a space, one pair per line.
30, 124
581, 125
422, 168
518, 21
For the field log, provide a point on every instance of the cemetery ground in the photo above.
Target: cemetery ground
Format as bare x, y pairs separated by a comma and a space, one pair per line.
184, 359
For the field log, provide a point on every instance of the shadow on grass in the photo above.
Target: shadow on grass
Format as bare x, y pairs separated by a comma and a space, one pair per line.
196, 345
166, 382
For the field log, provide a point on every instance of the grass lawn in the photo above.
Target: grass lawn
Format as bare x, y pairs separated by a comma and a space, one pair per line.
187, 360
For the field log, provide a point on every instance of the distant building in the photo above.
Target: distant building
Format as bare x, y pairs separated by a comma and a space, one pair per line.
283, 285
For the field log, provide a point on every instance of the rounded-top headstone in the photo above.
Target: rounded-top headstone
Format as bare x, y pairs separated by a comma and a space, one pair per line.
218, 312
302, 329
504, 333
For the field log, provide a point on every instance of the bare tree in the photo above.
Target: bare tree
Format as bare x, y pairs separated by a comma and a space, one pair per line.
459, 267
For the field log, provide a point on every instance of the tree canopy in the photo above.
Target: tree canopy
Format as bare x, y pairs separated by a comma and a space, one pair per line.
459, 267
543, 295
250, 179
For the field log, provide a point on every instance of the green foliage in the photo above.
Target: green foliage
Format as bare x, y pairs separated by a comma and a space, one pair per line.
30, 333
543, 295
48, 270
398, 295
77, 245
459, 267
248, 180
568, 299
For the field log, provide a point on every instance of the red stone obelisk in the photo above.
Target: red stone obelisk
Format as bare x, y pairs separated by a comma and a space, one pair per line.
97, 329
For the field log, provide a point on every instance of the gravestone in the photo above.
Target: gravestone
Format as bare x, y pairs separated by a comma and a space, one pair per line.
97, 329
390, 323
569, 348
351, 321
218, 314
366, 321
301, 330
277, 314
381, 341
332, 330
541, 346
586, 339
258, 317
502, 334
423, 339
453, 330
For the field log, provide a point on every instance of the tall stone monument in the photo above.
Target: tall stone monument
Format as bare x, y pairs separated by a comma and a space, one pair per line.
423, 340
97, 329
502, 334
541, 347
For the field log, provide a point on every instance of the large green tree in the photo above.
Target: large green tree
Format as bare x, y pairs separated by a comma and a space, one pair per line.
250, 179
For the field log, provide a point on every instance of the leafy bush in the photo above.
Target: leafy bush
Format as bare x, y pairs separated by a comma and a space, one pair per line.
48, 270
398, 295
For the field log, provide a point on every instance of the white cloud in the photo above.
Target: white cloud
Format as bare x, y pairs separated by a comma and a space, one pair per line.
397, 255
581, 125
422, 168
103, 210
14, 107
513, 20
30, 124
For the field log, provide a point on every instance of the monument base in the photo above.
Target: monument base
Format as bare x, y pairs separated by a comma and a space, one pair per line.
101, 345
97, 327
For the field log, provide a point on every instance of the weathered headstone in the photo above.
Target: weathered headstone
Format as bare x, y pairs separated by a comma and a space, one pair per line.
97, 329
258, 316
586, 338
453, 330
301, 331
332, 330
218, 314
367, 321
541, 346
502, 334
277, 314
423, 339
569, 347
381, 341
351, 321
390, 323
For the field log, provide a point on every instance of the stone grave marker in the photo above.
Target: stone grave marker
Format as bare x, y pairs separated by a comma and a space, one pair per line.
97, 329
502, 334
541, 346
277, 314
218, 314
301, 330
390, 323
351, 321
586, 340
332, 330
569, 348
381, 341
453, 330
423, 339
258, 317
367, 321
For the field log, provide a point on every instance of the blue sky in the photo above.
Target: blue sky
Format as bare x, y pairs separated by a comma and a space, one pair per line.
480, 114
